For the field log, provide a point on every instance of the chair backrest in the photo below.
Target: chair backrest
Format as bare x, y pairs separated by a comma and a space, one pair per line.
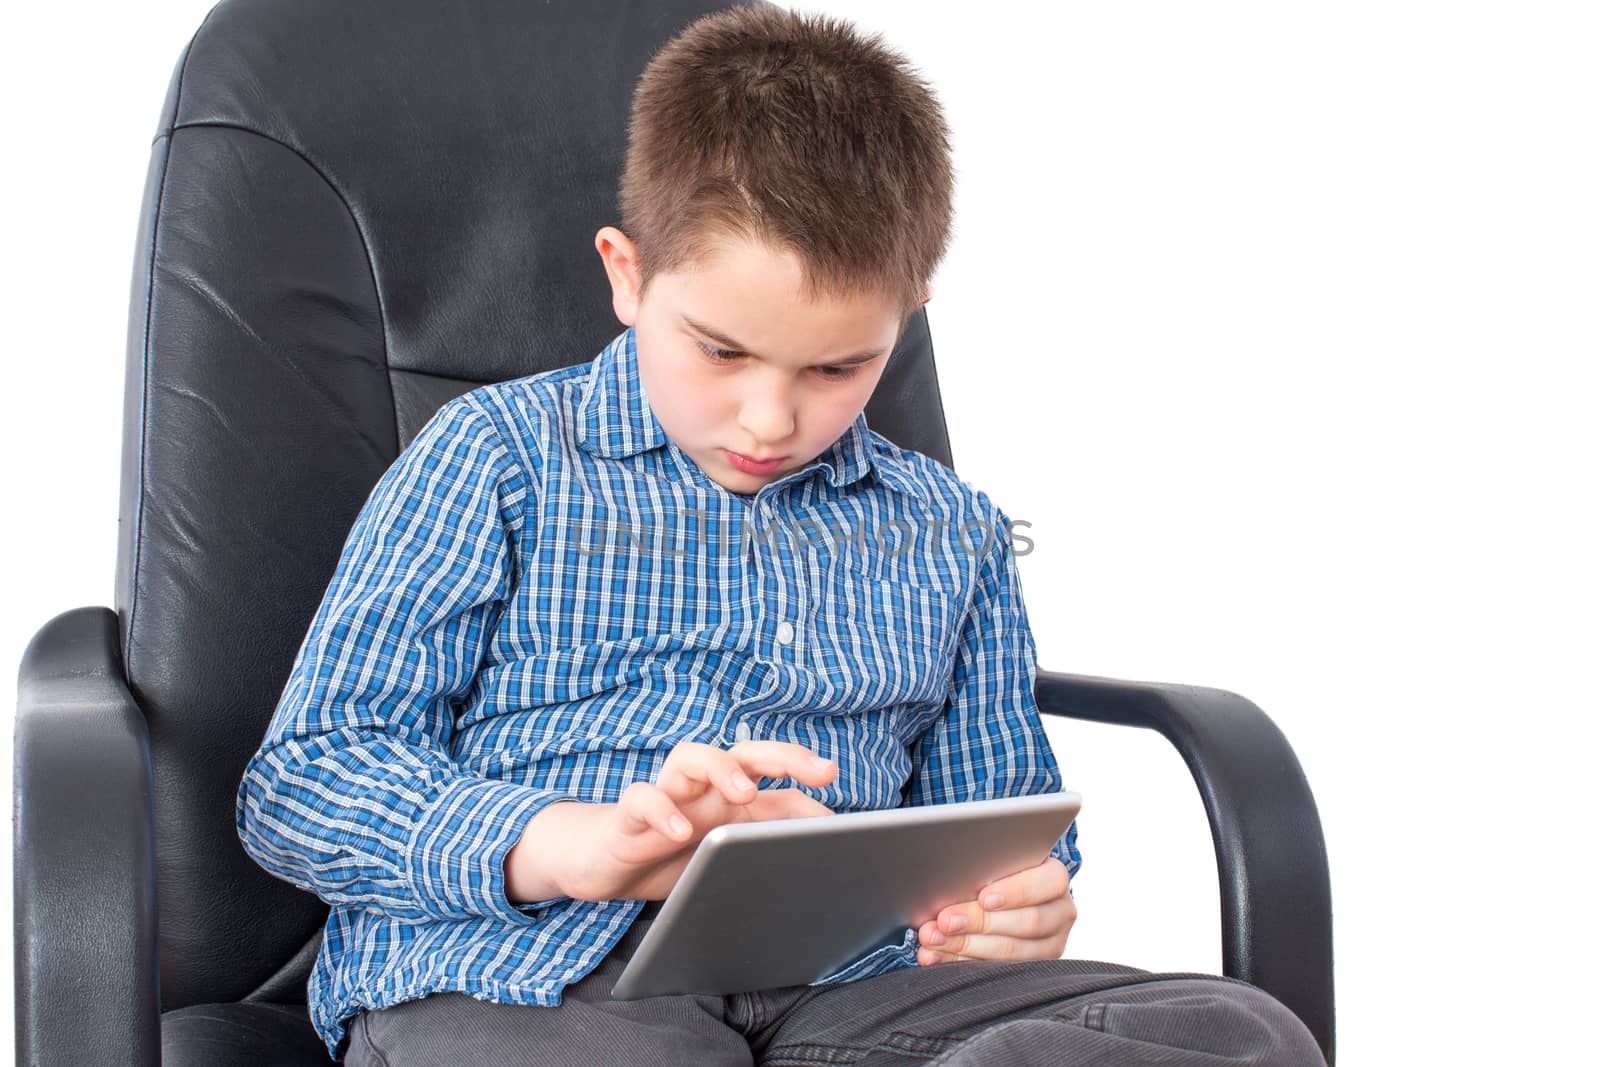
354, 212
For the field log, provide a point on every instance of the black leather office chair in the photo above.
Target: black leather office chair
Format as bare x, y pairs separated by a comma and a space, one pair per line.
353, 213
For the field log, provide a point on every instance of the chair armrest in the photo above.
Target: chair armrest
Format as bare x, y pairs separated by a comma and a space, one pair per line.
83, 832
1277, 915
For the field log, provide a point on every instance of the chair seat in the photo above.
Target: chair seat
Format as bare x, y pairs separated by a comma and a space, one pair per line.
248, 1034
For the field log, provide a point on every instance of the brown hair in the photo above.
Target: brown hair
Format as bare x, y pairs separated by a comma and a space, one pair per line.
798, 132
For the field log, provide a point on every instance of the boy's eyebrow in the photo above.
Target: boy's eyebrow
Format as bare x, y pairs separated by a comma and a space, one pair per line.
730, 343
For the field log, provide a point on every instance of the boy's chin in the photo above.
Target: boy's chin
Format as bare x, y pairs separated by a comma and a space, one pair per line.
740, 483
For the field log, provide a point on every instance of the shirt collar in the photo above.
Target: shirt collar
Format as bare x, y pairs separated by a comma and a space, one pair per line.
615, 420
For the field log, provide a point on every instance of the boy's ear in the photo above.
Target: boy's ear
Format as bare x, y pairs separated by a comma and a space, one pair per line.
620, 257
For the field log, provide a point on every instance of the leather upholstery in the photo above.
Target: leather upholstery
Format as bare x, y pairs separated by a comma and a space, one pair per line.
240, 1035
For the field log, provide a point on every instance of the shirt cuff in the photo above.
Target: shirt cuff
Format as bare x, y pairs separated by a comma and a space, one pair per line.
456, 859
876, 961
1066, 850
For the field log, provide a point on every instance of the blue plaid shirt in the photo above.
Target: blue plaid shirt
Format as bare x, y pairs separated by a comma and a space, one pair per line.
541, 597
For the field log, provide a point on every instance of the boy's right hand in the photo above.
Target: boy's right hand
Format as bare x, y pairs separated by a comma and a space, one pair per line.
637, 847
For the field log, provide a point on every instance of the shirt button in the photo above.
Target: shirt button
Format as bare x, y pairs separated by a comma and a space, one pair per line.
785, 633
741, 732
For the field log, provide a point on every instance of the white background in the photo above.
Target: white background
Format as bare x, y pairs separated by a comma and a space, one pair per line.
1276, 320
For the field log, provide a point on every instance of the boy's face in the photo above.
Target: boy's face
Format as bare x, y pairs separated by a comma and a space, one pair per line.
778, 382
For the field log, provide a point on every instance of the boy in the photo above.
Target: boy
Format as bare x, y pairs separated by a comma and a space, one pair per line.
591, 614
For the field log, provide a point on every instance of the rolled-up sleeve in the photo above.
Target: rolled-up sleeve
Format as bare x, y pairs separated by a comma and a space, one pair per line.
988, 742
353, 794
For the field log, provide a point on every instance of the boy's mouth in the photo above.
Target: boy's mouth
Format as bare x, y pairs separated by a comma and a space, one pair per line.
753, 466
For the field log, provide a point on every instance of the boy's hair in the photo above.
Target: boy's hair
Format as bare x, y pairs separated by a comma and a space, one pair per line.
797, 132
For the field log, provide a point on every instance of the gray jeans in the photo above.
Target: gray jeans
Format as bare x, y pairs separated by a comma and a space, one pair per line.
966, 1014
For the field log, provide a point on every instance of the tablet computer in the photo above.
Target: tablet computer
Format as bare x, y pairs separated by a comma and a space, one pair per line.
789, 901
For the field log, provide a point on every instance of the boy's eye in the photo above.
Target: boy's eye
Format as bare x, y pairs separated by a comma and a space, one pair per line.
722, 355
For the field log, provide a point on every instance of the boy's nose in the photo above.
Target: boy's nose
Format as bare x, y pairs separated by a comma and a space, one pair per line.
768, 417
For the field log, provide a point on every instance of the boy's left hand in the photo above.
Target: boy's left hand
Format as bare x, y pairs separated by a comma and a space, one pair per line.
1023, 916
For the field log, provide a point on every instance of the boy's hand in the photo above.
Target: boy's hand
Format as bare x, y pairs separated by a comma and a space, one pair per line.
637, 847
1023, 916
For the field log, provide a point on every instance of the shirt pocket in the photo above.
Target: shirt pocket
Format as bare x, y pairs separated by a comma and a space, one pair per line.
878, 641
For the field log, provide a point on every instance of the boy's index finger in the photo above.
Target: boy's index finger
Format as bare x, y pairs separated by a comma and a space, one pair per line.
780, 759
1039, 884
